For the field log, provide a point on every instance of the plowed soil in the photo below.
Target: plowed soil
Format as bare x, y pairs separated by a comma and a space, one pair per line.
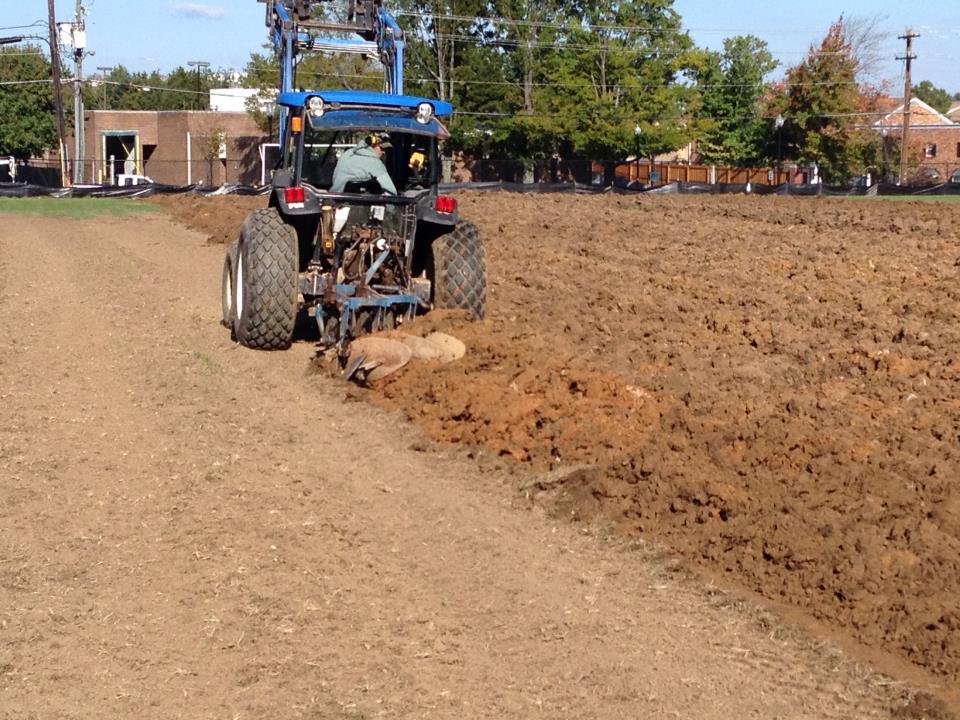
769, 386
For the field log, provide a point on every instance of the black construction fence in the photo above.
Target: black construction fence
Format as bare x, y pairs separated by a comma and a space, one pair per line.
26, 189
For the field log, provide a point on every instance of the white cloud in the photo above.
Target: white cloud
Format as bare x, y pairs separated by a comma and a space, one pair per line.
197, 10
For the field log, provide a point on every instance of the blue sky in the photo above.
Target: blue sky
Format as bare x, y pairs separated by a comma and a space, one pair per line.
161, 34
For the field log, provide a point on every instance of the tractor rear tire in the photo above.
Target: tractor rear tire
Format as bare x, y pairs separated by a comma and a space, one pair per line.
460, 271
228, 292
266, 274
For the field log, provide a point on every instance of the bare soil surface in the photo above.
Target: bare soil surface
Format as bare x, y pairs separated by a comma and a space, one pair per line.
192, 530
769, 386
788, 403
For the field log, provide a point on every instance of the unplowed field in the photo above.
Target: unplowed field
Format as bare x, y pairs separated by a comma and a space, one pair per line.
768, 386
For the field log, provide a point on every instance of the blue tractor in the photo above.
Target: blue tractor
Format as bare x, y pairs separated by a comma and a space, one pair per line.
355, 260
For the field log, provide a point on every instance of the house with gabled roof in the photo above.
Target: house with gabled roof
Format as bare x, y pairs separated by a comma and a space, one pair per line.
934, 141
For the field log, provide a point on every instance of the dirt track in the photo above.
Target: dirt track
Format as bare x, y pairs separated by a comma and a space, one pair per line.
189, 529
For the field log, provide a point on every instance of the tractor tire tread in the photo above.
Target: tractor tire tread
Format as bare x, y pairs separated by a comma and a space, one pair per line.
460, 266
270, 267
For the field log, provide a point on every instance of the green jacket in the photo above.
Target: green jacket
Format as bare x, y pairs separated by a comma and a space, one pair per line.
360, 164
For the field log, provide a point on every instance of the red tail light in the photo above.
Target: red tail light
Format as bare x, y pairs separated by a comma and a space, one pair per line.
295, 195
446, 204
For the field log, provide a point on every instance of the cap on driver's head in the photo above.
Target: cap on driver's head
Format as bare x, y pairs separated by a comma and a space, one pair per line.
381, 140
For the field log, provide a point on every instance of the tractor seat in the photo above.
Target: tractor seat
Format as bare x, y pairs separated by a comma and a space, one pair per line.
371, 187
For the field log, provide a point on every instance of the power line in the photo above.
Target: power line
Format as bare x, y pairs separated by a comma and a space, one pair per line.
38, 23
587, 27
624, 86
822, 116
25, 82
520, 43
137, 86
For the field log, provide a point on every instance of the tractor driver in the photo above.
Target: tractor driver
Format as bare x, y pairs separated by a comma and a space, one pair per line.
363, 163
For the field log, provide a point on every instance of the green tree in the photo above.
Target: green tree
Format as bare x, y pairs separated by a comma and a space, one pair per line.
104, 91
27, 116
937, 98
181, 89
527, 33
733, 87
616, 68
442, 37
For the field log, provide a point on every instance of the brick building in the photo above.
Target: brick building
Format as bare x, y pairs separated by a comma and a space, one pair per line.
177, 147
934, 142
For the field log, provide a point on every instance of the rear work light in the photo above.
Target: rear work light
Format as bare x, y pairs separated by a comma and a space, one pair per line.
295, 195
446, 204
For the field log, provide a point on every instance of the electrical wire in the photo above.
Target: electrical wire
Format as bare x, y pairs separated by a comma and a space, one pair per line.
96, 82
731, 118
520, 43
624, 86
583, 26
38, 23
5, 83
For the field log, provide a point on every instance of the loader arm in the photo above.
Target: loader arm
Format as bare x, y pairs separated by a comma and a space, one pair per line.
294, 31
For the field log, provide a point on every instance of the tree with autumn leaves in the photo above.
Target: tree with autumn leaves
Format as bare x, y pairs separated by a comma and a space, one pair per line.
827, 113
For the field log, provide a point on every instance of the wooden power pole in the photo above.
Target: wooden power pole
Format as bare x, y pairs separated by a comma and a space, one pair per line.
57, 90
907, 102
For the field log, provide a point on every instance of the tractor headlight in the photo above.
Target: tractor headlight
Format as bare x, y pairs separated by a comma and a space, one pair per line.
424, 113
315, 106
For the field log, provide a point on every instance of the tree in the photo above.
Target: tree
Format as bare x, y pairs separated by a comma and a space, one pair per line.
27, 110
937, 98
868, 40
212, 147
733, 87
823, 105
106, 92
442, 36
616, 67
181, 89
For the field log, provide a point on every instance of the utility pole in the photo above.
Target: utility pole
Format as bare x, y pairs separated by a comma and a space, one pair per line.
907, 102
78, 34
57, 90
199, 65
103, 80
